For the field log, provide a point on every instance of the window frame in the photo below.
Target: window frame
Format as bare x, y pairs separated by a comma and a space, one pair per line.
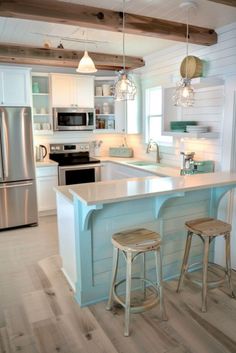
161, 139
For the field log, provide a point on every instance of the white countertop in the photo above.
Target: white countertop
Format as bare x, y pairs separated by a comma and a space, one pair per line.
155, 168
46, 163
65, 192
136, 188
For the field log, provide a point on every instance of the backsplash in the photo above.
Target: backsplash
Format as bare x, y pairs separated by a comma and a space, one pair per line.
108, 140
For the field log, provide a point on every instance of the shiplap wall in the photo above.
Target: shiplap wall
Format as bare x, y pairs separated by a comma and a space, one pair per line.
161, 68
94, 271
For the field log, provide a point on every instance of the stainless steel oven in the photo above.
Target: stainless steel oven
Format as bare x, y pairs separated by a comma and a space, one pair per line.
75, 164
73, 119
79, 174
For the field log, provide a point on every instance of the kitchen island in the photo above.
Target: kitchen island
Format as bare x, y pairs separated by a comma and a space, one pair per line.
88, 215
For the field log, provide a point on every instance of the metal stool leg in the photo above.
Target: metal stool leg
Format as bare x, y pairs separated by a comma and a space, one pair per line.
128, 292
114, 273
206, 241
158, 260
144, 275
185, 260
228, 263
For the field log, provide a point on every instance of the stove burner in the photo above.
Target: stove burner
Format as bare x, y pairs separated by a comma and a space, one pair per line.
64, 159
71, 154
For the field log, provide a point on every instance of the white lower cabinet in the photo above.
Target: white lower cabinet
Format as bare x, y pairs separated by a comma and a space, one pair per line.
46, 179
66, 237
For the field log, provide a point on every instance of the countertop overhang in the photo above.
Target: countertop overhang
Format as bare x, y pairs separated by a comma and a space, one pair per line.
135, 188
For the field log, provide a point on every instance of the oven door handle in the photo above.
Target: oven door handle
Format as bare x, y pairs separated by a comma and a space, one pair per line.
80, 166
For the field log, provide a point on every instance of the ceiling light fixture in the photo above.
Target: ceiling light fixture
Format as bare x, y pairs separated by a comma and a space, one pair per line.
86, 64
124, 88
184, 93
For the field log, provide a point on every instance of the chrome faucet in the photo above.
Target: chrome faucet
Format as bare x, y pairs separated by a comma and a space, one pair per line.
149, 148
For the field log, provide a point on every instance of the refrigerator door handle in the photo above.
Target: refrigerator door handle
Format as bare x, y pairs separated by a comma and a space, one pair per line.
10, 186
4, 146
1, 171
1, 167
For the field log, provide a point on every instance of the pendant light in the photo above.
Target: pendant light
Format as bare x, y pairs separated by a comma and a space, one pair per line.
184, 93
86, 64
124, 87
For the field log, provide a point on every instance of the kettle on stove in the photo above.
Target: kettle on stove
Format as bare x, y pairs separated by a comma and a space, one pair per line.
40, 153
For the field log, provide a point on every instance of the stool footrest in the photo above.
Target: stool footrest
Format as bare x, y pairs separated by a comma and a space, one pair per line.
210, 283
146, 303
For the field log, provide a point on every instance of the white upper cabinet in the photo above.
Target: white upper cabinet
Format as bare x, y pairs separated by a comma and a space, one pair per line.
15, 87
85, 91
62, 90
72, 91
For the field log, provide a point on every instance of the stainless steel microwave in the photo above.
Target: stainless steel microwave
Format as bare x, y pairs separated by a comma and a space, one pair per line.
73, 119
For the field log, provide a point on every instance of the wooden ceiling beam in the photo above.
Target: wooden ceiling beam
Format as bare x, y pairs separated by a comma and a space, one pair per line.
93, 17
21, 54
225, 2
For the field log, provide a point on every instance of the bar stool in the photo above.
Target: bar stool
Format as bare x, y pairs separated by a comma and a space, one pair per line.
207, 229
133, 243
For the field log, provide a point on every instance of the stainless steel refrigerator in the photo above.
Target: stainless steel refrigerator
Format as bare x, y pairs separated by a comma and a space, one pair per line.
18, 200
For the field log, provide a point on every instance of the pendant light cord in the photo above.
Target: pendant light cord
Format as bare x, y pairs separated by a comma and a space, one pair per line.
187, 38
123, 30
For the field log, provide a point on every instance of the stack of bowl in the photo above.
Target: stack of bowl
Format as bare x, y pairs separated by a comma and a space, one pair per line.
180, 126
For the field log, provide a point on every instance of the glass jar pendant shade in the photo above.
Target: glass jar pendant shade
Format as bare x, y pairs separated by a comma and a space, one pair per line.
86, 64
184, 93
124, 87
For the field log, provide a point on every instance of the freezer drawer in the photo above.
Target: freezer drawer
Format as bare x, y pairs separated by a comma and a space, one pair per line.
18, 204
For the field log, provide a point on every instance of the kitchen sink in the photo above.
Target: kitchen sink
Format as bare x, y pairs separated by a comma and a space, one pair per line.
144, 163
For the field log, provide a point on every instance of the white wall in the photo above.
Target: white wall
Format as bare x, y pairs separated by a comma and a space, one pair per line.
213, 107
219, 61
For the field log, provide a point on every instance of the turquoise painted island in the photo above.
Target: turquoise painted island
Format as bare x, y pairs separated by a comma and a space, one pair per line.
88, 215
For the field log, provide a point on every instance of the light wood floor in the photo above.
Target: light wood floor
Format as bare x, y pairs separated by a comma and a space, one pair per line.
39, 315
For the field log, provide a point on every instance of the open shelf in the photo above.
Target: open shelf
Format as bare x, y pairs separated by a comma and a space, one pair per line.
42, 111
104, 96
40, 94
46, 114
112, 114
207, 135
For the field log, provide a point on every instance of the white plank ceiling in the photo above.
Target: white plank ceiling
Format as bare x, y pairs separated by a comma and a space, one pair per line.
207, 14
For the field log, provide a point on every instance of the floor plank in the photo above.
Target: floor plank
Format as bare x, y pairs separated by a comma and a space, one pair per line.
4, 341
38, 313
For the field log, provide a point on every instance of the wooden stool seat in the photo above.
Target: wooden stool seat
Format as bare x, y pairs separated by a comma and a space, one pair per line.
132, 243
207, 229
136, 240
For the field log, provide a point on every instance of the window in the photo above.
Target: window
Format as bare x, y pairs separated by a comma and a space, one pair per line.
153, 115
